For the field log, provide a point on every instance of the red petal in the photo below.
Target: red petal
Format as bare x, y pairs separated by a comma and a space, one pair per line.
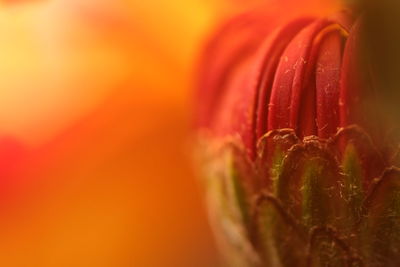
233, 43
239, 105
272, 53
327, 83
289, 80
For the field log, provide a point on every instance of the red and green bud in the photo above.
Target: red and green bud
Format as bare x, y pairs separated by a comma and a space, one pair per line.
299, 170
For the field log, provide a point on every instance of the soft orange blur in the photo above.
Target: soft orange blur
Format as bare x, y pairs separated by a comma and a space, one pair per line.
95, 163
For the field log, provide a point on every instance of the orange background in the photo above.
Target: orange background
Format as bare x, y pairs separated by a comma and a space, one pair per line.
95, 141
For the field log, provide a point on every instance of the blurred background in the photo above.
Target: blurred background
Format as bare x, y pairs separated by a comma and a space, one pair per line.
95, 164
95, 141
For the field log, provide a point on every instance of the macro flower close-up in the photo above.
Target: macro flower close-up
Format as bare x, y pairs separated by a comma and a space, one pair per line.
299, 159
199, 133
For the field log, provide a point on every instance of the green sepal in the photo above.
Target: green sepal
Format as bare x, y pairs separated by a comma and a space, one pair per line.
381, 220
353, 191
322, 206
228, 176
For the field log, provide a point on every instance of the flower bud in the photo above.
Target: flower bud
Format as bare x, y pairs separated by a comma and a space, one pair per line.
299, 170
